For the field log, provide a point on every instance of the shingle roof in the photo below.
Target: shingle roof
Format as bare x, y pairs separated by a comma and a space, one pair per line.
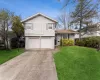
38, 15
66, 31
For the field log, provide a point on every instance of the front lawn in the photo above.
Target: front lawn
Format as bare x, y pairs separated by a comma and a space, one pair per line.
6, 55
77, 63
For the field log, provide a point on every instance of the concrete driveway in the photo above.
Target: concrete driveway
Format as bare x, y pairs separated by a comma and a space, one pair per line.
31, 65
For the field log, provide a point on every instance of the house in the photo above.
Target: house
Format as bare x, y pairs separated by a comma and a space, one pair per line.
90, 31
40, 32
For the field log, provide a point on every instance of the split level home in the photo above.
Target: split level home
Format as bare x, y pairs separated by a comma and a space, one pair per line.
40, 32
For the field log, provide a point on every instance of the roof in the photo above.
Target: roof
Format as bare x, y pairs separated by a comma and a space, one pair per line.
38, 14
69, 31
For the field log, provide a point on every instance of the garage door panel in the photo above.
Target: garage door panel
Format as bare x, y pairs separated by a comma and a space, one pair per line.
34, 42
46, 42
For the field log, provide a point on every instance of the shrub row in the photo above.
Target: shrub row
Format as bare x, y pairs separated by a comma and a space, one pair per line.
67, 42
88, 42
15, 43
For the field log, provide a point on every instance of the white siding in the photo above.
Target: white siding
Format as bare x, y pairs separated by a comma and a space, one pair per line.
72, 36
58, 37
39, 27
76, 35
98, 33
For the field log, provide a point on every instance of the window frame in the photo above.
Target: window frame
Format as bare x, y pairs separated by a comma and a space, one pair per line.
27, 27
50, 25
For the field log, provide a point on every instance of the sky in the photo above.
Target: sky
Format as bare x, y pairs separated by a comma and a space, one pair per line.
26, 8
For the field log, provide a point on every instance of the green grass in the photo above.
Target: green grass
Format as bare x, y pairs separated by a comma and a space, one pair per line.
77, 63
6, 55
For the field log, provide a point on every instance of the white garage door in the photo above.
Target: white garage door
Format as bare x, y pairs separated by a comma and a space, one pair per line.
46, 42
40, 42
33, 42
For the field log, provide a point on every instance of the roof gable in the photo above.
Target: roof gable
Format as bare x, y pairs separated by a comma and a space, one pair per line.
36, 15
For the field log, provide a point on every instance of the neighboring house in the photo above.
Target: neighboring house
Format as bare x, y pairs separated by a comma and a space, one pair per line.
40, 32
92, 30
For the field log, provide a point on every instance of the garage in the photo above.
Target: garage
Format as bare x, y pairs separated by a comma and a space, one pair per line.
40, 42
33, 42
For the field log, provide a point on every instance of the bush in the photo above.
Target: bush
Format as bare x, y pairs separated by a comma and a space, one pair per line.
2, 45
88, 42
79, 43
67, 42
14, 43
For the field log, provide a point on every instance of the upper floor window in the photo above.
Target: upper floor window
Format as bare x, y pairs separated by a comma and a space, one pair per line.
50, 26
28, 26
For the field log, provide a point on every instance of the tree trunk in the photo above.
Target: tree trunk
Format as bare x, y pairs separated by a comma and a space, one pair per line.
18, 37
4, 35
80, 30
81, 20
7, 34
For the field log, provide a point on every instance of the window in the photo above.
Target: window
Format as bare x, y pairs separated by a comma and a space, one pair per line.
28, 26
50, 26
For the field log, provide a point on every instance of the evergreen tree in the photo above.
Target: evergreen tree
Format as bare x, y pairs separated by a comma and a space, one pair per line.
84, 11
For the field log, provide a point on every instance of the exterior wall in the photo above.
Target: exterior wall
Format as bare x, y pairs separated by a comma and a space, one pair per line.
98, 33
72, 36
58, 37
26, 42
39, 27
76, 35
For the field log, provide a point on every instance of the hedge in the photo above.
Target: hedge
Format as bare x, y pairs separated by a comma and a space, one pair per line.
88, 42
14, 43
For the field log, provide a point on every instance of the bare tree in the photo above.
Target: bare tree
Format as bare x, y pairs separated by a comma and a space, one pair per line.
5, 18
64, 20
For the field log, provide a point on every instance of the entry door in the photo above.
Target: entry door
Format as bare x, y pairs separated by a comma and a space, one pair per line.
34, 42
